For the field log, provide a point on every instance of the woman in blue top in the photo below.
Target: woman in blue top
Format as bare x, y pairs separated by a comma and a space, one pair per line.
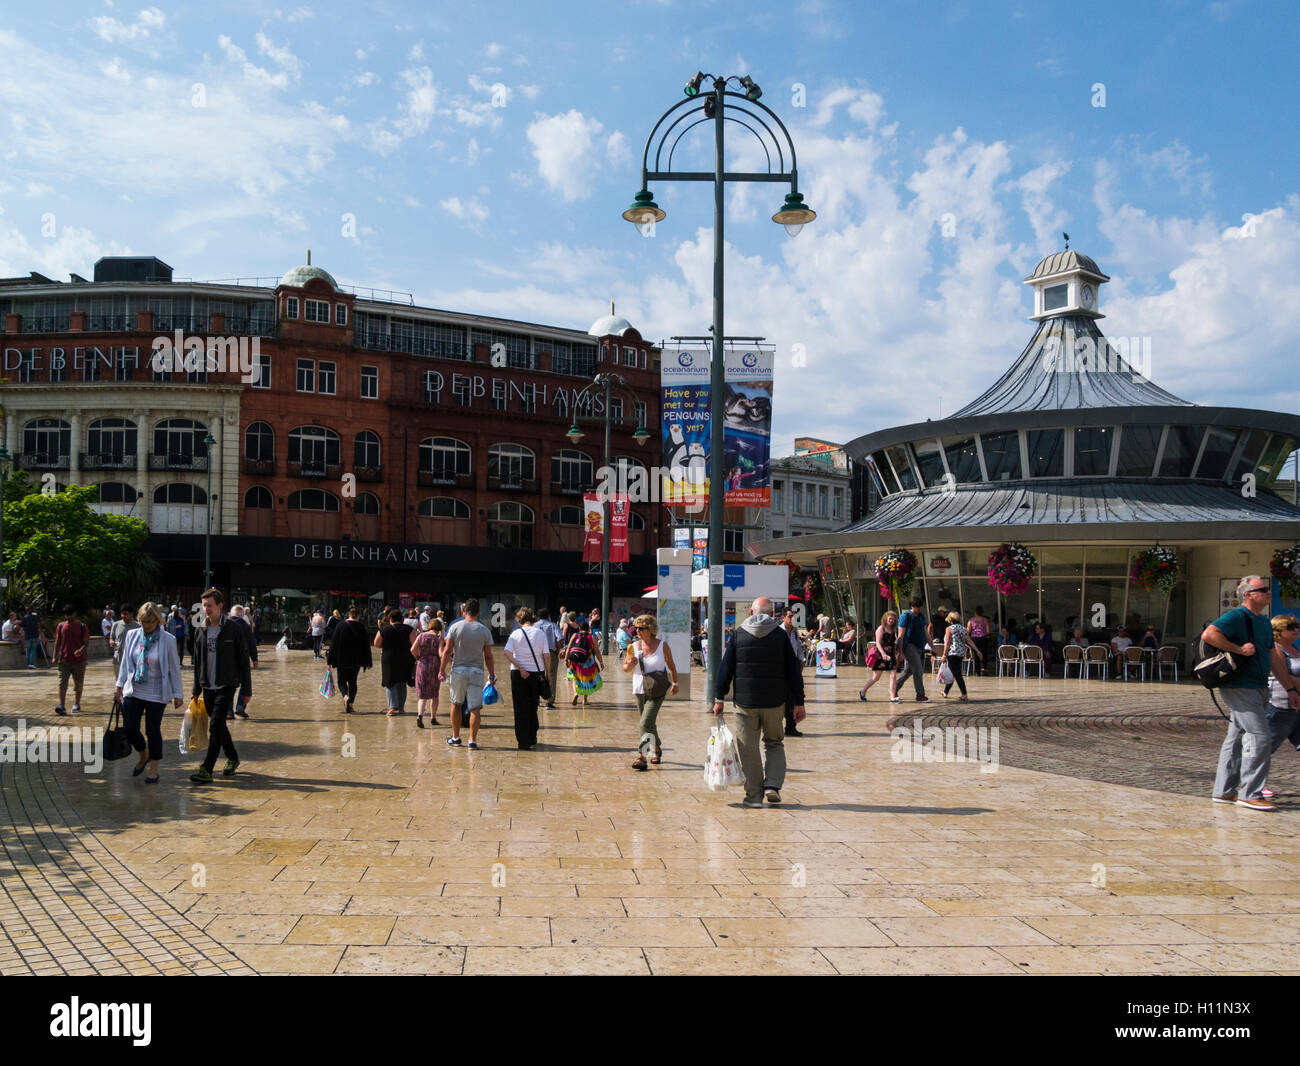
148, 675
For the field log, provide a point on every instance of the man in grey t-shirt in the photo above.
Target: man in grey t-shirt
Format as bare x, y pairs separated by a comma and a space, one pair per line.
125, 622
467, 648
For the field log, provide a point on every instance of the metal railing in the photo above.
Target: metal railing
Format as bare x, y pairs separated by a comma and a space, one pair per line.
316, 468
177, 461
369, 473
264, 467
43, 461
498, 483
439, 477
107, 461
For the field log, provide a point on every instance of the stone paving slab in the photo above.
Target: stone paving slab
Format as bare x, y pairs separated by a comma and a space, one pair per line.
1092, 848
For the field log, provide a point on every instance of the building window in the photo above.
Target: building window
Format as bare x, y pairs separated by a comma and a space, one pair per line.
90, 368
313, 500
528, 401
778, 503
366, 450
616, 406
316, 311
179, 508
1181, 446
776, 534
259, 442
837, 504
367, 503
798, 499
115, 492
340, 314
566, 516
1046, 452
180, 441
629, 357
498, 394
259, 498
443, 507
315, 448
432, 386
640, 411
1002, 455
1055, 296
112, 441
511, 465
510, 525
306, 375
370, 383
262, 377
733, 540
290, 308
823, 501
49, 440
123, 364
571, 471
325, 375
636, 522
1092, 450
444, 458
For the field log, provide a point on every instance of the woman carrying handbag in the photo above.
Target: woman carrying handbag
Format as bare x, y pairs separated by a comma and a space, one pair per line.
526, 649
654, 679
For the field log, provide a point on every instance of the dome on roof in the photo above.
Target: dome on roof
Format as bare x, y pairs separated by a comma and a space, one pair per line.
609, 324
299, 276
1060, 262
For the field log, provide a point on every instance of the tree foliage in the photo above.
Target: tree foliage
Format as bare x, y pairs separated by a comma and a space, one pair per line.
57, 550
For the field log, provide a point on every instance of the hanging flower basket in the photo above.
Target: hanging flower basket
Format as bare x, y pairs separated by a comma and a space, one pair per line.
1156, 568
1012, 567
895, 572
1285, 566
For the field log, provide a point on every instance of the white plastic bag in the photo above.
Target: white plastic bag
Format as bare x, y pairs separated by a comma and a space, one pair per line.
945, 674
283, 645
187, 724
722, 761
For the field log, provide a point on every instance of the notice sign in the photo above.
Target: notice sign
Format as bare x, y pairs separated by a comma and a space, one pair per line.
826, 658
747, 428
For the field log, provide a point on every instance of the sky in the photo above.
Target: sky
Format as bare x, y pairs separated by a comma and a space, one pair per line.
479, 157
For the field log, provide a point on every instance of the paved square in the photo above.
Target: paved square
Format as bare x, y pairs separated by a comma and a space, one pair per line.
412, 857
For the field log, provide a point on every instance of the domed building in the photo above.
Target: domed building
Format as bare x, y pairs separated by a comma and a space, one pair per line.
1077, 454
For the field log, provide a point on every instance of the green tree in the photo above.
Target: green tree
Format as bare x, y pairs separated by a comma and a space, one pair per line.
58, 549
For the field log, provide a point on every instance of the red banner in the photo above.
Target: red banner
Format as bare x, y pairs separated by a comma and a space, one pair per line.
593, 533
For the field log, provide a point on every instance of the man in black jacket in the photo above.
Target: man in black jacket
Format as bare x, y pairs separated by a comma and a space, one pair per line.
349, 652
222, 666
763, 665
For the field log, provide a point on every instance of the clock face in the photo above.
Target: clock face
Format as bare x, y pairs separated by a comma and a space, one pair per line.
1085, 294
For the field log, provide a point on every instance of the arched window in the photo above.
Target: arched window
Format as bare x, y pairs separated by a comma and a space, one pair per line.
115, 492
180, 492
566, 516
571, 471
367, 454
510, 525
366, 503
315, 448
178, 442
636, 522
111, 442
443, 507
259, 442
47, 442
443, 461
313, 500
510, 465
259, 498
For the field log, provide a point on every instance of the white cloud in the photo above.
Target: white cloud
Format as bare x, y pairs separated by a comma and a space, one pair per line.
114, 31
367, 77
416, 52
531, 92
262, 76
567, 151
280, 56
471, 210
115, 70
493, 50
864, 105
421, 99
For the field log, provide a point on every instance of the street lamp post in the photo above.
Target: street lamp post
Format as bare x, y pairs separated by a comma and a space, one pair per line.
208, 440
608, 382
719, 106
4, 461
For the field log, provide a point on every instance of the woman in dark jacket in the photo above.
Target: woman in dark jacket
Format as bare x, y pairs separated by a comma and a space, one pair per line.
397, 665
349, 653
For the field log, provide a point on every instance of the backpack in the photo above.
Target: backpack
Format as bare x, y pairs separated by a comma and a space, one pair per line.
1215, 668
578, 652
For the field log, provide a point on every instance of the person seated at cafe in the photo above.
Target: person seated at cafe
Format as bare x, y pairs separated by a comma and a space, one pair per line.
1151, 639
1077, 639
1043, 639
846, 643
1006, 636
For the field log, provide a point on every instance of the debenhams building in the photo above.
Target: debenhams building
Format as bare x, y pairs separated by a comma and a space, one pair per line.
1077, 455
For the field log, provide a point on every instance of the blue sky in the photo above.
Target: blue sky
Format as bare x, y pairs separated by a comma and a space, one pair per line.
479, 157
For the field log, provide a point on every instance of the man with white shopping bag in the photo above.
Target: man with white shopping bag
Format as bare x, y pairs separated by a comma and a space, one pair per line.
765, 669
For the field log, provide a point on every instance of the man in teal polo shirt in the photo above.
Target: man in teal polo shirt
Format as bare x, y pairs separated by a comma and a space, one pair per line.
1244, 757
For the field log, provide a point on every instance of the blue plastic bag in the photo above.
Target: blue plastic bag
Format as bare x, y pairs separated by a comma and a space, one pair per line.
490, 694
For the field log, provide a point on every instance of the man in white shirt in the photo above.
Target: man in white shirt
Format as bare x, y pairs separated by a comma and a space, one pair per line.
425, 615
12, 628
106, 624
1118, 645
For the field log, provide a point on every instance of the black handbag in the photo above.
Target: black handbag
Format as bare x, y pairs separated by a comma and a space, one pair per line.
543, 682
1215, 668
116, 743
655, 683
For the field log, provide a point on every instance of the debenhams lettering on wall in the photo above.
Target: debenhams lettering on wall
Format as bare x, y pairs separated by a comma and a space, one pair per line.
357, 552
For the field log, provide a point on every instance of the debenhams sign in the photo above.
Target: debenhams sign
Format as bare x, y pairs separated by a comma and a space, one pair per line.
357, 552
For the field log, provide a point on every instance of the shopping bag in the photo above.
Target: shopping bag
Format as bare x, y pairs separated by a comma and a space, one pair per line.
187, 725
945, 674
327, 684
490, 694
722, 760
199, 724
283, 644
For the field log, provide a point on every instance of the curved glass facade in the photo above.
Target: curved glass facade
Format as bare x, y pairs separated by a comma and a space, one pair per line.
1181, 452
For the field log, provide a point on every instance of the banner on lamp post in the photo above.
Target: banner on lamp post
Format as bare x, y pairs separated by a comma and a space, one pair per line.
684, 381
593, 521
747, 428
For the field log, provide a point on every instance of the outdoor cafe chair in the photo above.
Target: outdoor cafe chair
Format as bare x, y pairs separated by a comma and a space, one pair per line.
1009, 654
1166, 657
1072, 655
1133, 657
1097, 655
1031, 655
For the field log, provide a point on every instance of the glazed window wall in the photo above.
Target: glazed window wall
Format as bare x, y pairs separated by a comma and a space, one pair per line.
1181, 445
1218, 450
963, 459
902, 468
1002, 456
1137, 450
1092, 445
929, 460
1046, 452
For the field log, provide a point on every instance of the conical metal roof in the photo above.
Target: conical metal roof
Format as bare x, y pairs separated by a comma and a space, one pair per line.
1069, 364
1061, 262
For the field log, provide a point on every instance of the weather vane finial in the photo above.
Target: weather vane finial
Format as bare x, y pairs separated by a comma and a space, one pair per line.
1067, 240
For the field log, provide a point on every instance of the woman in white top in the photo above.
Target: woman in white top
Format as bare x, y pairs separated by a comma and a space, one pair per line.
529, 656
317, 633
148, 676
649, 655
1284, 723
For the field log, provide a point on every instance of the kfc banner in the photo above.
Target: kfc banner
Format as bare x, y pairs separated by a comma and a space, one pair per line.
593, 527
747, 428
